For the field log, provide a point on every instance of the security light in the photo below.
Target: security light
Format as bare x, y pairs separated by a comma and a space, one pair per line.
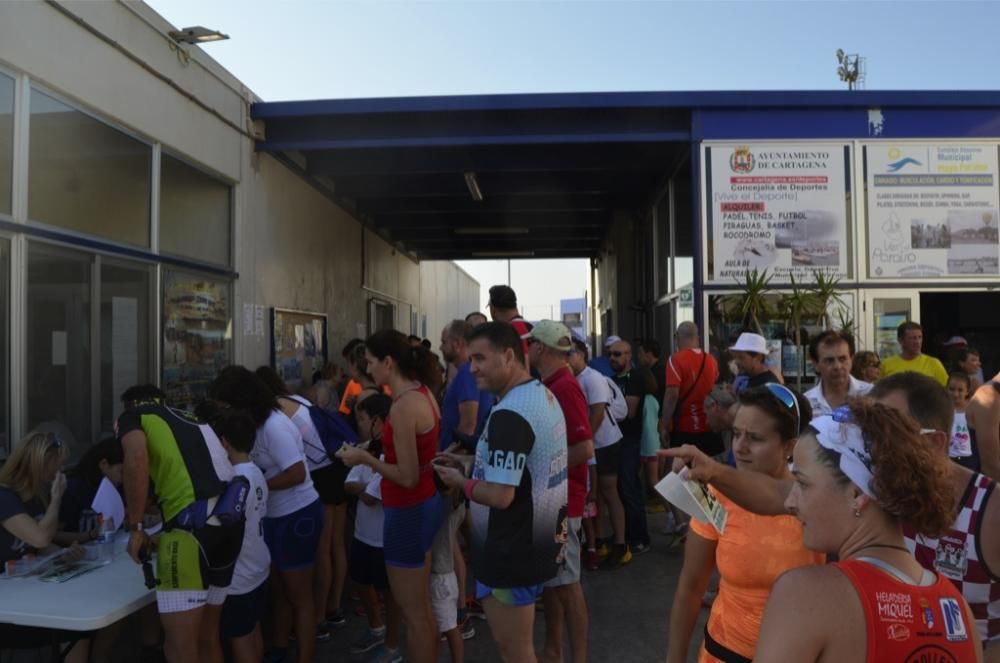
196, 35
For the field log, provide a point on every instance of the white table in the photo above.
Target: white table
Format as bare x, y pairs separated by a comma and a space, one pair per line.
84, 603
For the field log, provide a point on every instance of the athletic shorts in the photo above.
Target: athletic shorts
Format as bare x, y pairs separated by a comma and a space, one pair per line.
329, 482
242, 612
409, 531
569, 570
444, 600
709, 443
609, 459
194, 568
367, 565
293, 539
511, 596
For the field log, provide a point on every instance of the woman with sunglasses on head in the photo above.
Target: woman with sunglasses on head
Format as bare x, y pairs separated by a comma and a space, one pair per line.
858, 474
752, 551
31, 493
413, 509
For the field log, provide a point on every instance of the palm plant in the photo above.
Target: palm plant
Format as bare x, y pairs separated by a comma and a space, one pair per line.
794, 306
752, 303
827, 292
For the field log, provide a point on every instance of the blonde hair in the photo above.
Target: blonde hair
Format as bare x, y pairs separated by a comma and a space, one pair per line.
24, 470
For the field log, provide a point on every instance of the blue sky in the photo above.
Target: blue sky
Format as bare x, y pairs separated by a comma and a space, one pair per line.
296, 49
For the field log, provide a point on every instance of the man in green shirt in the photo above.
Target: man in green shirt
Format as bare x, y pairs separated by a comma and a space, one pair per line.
911, 340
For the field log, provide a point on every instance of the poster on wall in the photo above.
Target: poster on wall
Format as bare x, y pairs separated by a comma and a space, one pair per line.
932, 210
782, 207
298, 345
197, 331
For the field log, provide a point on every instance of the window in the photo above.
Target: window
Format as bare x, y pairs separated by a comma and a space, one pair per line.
6, 142
59, 344
195, 213
4, 346
381, 315
86, 176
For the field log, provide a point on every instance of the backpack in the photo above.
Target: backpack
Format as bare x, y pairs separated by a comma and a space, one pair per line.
617, 406
332, 428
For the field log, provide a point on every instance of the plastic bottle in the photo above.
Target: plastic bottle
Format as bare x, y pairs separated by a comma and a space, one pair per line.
106, 539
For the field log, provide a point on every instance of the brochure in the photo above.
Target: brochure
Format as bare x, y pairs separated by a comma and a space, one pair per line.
693, 498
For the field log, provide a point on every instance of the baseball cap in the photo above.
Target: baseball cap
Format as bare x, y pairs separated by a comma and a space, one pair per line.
611, 340
552, 334
956, 340
503, 297
748, 342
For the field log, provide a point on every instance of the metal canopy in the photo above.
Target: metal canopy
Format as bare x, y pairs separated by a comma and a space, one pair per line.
550, 177
552, 168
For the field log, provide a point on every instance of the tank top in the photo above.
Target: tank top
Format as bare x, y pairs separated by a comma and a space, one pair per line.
957, 556
909, 623
394, 495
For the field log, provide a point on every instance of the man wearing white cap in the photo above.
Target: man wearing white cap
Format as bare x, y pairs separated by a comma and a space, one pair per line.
750, 353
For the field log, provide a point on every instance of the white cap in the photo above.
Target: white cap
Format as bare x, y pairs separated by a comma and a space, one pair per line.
956, 340
611, 340
751, 343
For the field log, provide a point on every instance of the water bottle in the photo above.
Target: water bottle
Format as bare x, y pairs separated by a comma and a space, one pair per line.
106, 540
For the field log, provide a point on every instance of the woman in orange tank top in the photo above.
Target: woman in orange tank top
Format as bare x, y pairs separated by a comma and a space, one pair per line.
752, 550
858, 474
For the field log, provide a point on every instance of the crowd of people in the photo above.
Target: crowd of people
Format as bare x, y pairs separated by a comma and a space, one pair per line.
483, 480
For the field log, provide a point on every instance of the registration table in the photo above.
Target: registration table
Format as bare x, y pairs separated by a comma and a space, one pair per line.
84, 603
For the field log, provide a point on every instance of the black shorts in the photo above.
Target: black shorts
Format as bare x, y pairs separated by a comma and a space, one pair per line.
329, 482
242, 612
367, 565
609, 459
709, 443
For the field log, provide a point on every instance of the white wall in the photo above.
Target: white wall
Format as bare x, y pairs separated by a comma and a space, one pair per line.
447, 293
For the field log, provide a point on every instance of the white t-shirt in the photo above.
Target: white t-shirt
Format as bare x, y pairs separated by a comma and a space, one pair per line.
278, 447
961, 442
316, 456
254, 563
369, 520
596, 390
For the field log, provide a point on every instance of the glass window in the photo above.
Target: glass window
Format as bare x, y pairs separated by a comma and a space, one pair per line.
59, 344
195, 212
6, 141
125, 334
85, 176
197, 334
4, 346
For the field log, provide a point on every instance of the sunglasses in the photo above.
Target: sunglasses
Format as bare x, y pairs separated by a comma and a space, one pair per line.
616, 354
787, 398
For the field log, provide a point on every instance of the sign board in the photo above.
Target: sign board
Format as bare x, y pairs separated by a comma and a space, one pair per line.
783, 207
686, 298
932, 210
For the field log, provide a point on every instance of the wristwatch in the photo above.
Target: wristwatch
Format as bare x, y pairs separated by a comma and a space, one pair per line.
134, 527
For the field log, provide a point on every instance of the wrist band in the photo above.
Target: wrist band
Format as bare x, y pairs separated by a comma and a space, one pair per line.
470, 485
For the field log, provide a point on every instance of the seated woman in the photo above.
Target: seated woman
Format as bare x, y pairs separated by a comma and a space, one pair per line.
752, 551
31, 493
858, 474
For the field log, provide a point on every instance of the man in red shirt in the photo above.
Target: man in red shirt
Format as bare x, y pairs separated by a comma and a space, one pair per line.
503, 308
691, 374
549, 343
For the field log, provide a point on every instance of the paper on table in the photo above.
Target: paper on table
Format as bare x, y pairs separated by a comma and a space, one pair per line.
109, 503
693, 498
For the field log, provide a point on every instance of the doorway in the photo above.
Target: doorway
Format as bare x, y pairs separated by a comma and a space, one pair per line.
974, 316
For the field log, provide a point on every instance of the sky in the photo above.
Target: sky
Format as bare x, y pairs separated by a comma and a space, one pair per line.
299, 49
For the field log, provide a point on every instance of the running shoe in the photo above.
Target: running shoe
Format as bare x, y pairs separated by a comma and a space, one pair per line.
335, 619
680, 535
385, 655
369, 641
466, 628
475, 609
323, 632
670, 525
639, 548
618, 557
603, 549
590, 560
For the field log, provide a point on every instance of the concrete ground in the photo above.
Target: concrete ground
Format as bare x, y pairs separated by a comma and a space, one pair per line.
629, 613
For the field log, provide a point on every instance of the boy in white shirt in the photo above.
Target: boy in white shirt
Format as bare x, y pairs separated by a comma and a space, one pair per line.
246, 601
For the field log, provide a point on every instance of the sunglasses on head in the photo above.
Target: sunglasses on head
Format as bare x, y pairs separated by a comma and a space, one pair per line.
787, 398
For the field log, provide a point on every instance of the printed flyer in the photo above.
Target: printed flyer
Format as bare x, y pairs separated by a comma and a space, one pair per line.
782, 207
932, 210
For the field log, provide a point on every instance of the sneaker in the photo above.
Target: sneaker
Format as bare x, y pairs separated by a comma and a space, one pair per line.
323, 633
590, 560
335, 619
475, 609
639, 548
385, 655
680, 535
618, 557
369, 641
670, 524
467, 630
602, 550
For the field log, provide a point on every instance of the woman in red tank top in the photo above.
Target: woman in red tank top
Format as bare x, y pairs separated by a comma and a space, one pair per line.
858, 474
412, 506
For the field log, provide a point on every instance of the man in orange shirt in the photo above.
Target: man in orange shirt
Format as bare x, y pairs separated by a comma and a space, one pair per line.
691, 374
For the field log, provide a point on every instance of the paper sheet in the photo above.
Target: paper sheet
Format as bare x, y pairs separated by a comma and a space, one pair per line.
693, 498
109, 503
